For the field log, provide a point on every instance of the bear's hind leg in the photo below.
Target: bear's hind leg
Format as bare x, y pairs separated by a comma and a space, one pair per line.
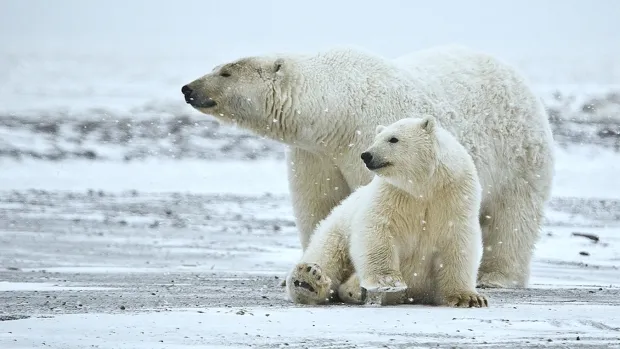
511, 224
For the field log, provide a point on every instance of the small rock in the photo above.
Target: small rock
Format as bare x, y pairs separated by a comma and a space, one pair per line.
13, 317
592, 237
122, 307
584, 253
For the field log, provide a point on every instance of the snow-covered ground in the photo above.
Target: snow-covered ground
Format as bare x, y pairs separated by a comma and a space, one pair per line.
193, 252
128, 220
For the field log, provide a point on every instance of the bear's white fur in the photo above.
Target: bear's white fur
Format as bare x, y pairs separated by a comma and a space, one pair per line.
325, 106
414, 227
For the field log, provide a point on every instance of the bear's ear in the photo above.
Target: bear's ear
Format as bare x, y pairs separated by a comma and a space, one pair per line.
379, 128
277, 65
428, 124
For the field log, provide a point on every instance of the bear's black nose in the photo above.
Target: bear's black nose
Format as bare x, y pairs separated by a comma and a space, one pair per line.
186, 90
367, 157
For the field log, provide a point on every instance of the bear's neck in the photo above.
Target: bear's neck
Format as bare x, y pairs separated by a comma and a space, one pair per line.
418, 190
337, 110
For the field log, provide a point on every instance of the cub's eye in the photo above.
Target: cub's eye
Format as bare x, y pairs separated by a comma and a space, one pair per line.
393, 140
224, 74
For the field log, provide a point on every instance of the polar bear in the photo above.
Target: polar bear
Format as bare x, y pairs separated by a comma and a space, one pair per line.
325, 106
415, 227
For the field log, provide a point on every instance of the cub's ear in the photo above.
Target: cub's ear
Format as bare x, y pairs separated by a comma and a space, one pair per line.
379, 128
428, 124
277, 65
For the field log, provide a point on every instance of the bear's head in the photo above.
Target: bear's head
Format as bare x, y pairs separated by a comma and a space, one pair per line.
405, 151
240, 92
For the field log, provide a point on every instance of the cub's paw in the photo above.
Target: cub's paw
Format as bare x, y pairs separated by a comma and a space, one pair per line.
467, 299
385, 283
350, 292
307, 284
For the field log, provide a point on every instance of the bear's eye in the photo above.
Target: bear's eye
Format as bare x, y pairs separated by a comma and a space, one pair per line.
393, 140
225, 74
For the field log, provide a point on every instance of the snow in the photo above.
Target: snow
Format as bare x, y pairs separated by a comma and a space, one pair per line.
583, 171
557, 266
42, 286
232, 177
318, 327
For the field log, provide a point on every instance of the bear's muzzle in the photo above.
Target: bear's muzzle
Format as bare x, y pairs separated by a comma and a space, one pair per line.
196, 100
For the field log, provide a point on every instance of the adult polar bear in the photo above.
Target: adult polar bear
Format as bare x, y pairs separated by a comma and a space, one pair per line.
325, 107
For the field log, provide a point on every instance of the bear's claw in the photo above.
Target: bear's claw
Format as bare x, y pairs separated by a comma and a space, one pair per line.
467, 300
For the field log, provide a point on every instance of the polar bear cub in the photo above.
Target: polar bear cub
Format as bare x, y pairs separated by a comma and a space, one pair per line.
414, 228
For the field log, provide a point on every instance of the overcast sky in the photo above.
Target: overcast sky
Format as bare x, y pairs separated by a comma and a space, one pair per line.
229, 28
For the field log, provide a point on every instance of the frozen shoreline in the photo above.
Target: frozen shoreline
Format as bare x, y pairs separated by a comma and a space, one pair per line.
581, 171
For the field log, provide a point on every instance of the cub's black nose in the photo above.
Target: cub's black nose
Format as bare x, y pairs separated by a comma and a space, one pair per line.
367, 157
186, 90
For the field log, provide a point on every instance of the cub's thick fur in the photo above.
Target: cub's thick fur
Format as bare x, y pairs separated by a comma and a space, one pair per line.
414, 228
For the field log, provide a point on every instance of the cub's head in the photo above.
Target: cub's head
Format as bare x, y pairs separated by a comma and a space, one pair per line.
404, 151
241, 92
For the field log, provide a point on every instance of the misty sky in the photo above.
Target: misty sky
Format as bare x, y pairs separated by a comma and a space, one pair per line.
229, 28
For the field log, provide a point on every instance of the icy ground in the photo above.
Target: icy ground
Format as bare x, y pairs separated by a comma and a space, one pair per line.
162, 254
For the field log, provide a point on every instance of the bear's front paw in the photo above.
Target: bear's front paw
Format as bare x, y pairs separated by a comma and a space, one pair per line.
384, 283
307, 284
467, 299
